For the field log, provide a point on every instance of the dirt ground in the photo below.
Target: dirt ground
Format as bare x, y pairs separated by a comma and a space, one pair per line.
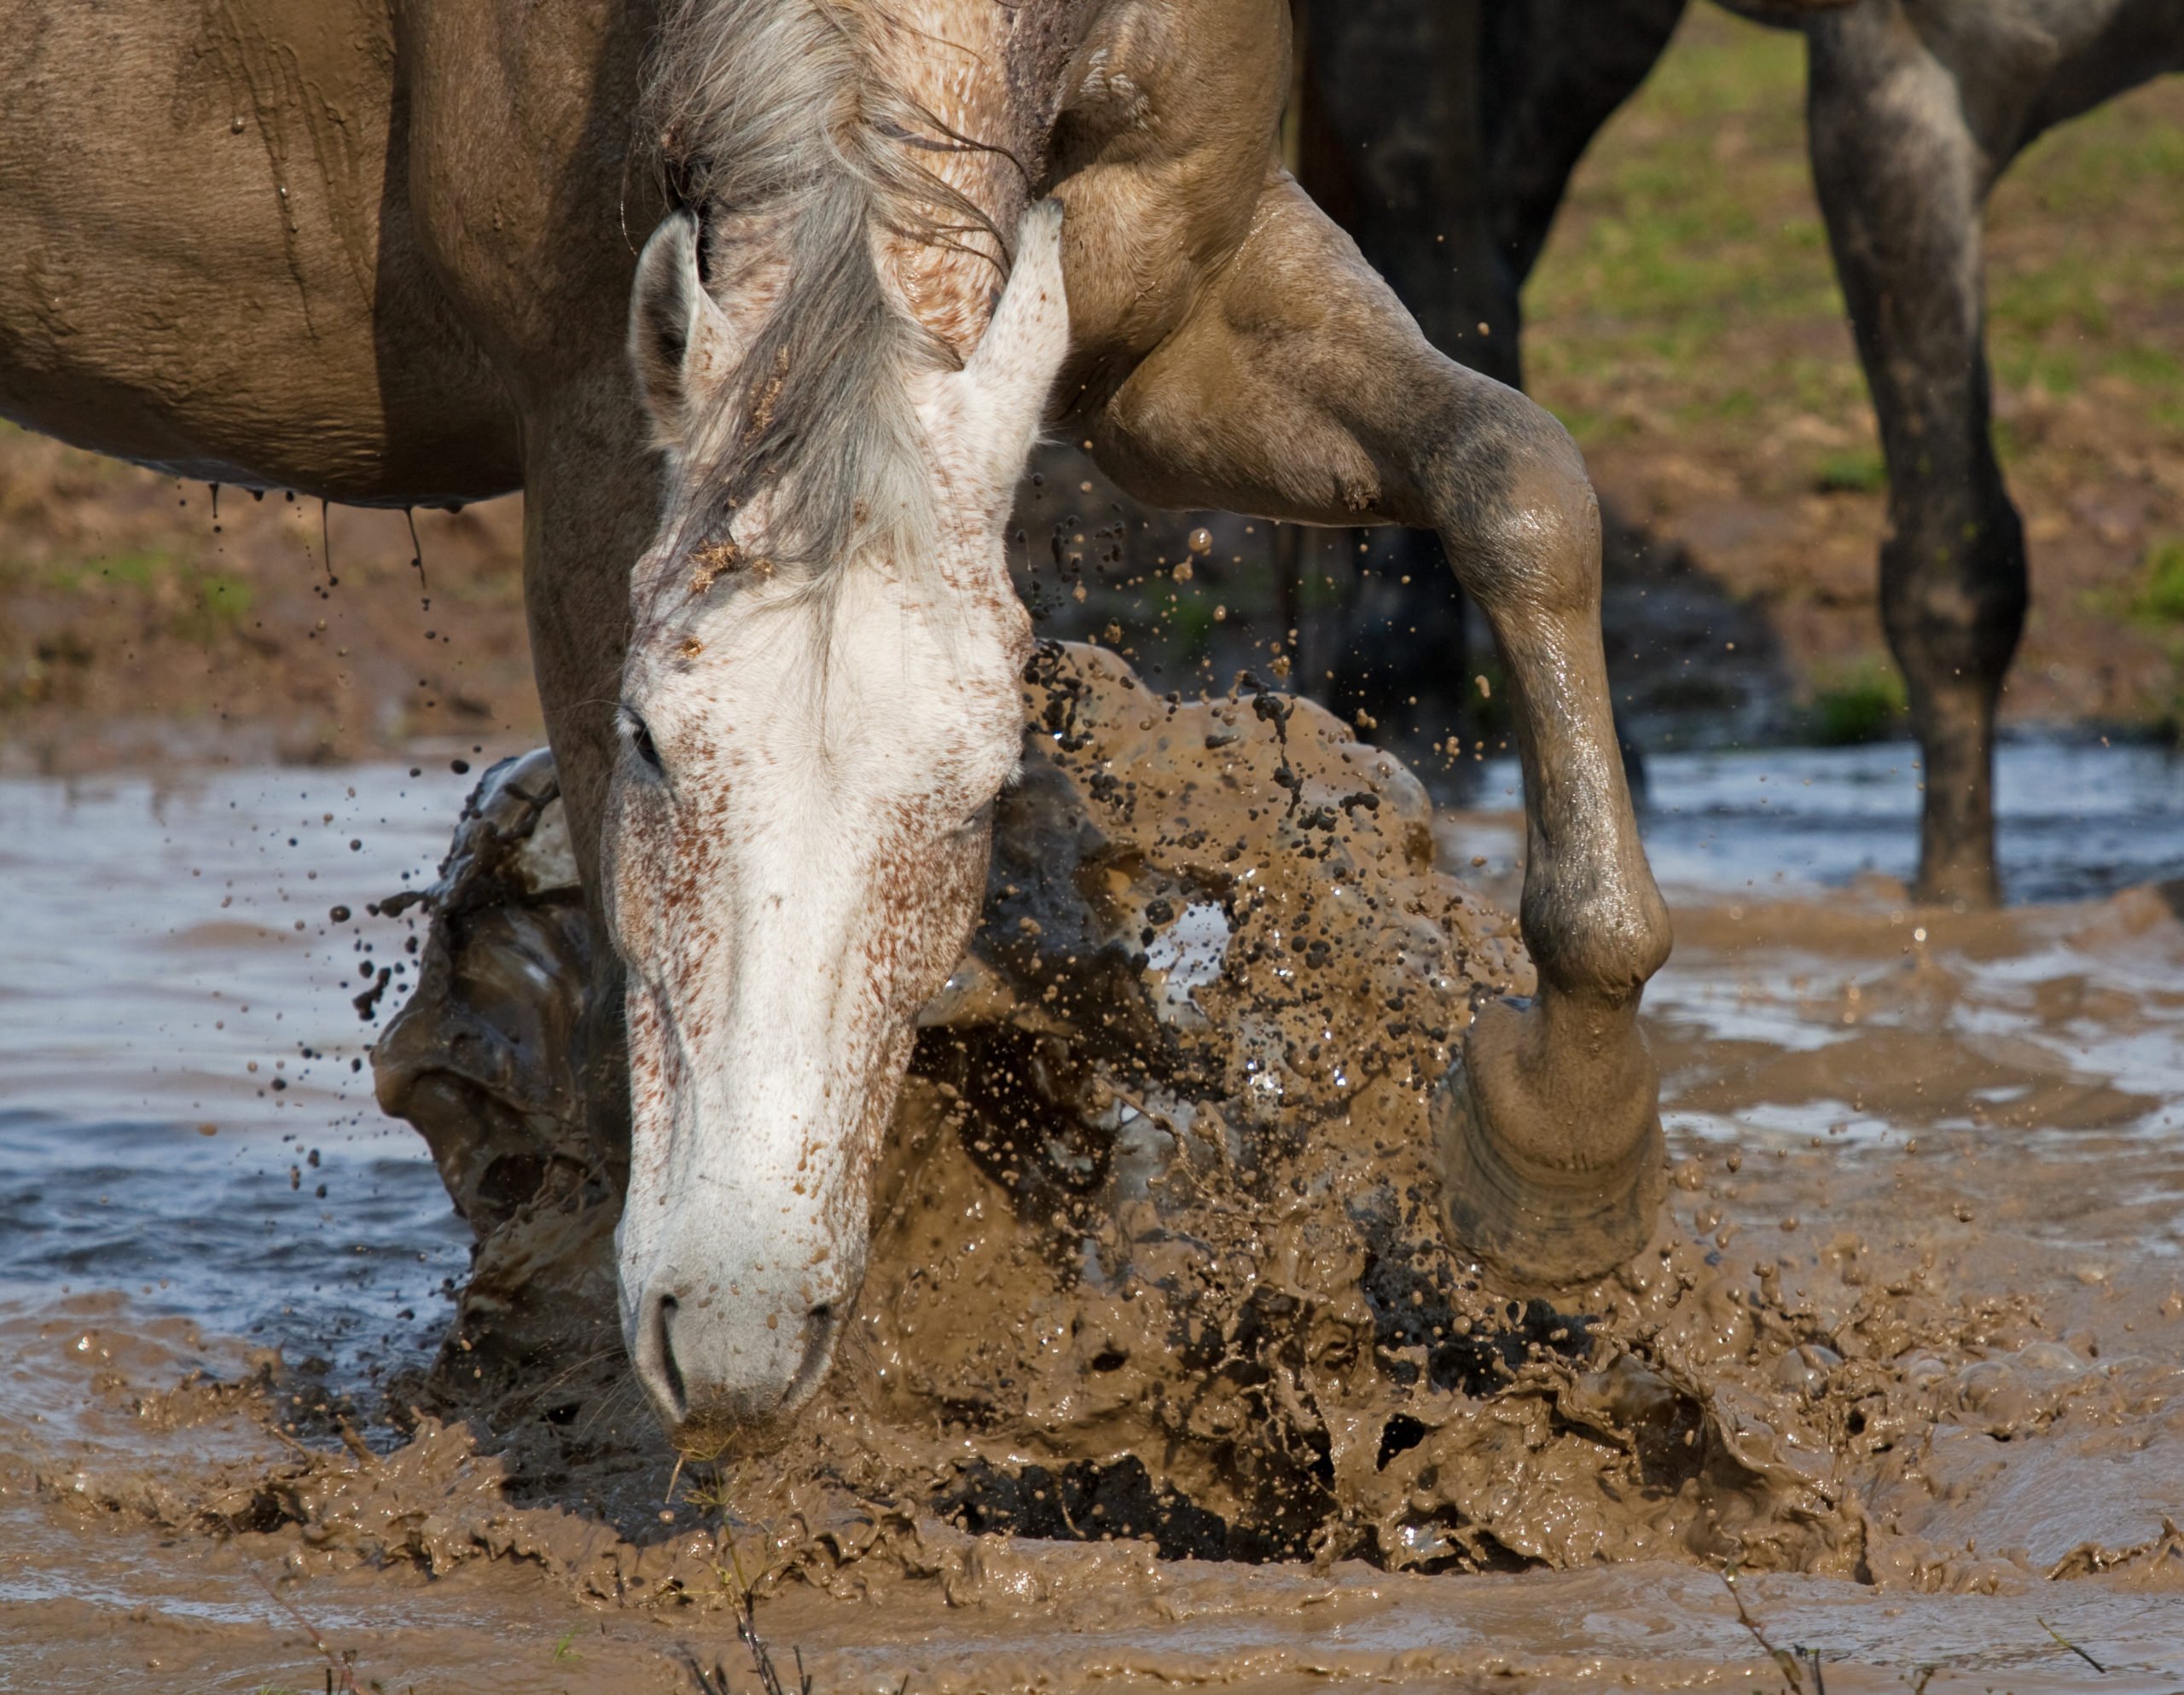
147, 621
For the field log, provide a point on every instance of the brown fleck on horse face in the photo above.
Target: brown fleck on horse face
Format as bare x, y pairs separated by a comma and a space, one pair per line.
796, 841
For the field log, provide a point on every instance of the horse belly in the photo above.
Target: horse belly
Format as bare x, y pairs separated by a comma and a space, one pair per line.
206, 255
2115, 46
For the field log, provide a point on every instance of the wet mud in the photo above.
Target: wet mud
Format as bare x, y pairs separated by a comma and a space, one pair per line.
1164, 1371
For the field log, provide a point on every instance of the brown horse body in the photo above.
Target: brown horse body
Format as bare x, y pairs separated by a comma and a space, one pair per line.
383, 254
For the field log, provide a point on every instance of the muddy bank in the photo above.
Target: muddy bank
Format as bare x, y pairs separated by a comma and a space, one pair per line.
153, 623
144, 631
1908, 1342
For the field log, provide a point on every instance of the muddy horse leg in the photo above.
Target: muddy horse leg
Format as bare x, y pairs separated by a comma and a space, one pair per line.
1902, 181
1300, 388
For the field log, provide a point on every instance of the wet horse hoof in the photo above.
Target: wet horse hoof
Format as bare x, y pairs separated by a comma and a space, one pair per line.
1552, 1160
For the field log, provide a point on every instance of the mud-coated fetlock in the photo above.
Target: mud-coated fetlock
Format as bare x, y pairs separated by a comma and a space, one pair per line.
1552, 1175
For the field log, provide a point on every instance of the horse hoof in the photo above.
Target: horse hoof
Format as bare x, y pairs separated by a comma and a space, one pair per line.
1553, 1175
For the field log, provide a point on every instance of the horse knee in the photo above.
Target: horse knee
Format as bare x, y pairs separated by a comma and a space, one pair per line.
1517, 511
1596, 925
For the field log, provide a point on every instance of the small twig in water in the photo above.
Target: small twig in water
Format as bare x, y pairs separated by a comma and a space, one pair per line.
1791, 1662
762, 1661
2068, 1644
746, 1627
713, 1682
342, 1667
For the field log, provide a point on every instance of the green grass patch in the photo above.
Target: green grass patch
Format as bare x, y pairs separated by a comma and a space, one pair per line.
1860, 470
1734, 70
2103, 162
221, 605
143, 569
2036, 301
1860, 703
1587, 423
132, 570
194, 603
2160, 597
2153, 367
1694, 201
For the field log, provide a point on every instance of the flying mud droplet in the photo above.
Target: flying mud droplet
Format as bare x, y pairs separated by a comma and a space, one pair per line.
416, 552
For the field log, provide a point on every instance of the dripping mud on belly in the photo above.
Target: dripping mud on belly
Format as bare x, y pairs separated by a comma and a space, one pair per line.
1163, 1372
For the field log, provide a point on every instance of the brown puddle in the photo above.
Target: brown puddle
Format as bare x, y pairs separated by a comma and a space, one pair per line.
1157, 1287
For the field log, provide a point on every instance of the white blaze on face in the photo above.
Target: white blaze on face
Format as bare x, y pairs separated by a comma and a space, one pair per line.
795, 852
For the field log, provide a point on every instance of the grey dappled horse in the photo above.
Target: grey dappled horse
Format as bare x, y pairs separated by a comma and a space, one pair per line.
382, 250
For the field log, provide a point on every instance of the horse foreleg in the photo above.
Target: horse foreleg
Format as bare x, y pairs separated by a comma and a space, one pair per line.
1299, 388
1902, 180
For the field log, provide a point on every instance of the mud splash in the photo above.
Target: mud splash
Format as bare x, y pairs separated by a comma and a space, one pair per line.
1155, 1256
1156, 1273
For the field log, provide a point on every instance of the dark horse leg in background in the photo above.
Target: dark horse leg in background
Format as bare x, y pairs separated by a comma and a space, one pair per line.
1441, 137
1916, 111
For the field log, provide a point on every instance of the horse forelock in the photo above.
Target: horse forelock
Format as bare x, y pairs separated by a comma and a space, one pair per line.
773, 116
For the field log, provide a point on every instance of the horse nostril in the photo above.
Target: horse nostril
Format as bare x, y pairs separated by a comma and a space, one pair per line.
667, 1373
822, 1314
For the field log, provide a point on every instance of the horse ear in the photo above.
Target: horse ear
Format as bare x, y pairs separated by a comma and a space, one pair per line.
998, 400
682, 347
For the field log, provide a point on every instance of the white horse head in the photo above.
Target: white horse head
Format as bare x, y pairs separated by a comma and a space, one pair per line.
798, 825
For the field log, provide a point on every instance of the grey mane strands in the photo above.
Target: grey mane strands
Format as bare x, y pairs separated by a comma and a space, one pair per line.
769, 113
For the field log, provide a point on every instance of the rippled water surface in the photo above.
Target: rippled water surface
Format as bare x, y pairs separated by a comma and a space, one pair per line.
185, 1109
2076, 819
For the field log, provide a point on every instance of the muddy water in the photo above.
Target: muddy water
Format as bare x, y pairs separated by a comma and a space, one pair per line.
182, 1098
1981, 1116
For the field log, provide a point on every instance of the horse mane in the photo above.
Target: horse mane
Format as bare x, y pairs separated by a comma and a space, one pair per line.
771, 117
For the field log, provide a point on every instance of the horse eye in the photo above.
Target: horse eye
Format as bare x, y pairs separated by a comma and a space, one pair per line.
640, 739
